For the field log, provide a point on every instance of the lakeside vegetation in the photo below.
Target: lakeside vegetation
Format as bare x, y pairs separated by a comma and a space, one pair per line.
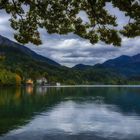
9, 78
19, 71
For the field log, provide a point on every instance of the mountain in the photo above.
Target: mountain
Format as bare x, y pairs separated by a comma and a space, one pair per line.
81, 67
119, 61
123, 60
136, 58
24, 50
125, 65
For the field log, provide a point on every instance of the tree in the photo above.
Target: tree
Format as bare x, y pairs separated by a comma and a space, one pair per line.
60, 16
9, 78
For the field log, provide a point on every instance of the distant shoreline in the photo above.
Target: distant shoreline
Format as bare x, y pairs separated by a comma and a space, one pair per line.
94, 86
68, 86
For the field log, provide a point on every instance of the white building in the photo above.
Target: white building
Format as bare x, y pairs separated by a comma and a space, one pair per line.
58, 84
42, 81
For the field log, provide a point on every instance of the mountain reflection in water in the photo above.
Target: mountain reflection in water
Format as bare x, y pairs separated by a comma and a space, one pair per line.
111, 113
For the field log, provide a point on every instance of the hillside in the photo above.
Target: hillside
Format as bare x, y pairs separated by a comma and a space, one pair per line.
126, 65
13, 46
129, 66
82, 67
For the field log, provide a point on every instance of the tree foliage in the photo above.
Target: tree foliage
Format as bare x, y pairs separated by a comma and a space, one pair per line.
60, 16
9, 78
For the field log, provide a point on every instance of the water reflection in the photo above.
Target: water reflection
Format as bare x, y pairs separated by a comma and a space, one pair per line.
70, 113
42, 90
29, 89
73, 118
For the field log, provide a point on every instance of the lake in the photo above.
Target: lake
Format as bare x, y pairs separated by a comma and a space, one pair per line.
70, 113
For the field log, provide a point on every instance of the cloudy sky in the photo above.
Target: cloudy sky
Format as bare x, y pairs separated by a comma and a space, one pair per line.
70, 49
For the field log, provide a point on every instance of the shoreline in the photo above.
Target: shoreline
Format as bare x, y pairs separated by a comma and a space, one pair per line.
2, 86
89, 86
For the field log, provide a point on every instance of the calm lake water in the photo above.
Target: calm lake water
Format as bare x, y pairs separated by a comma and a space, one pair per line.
70, 113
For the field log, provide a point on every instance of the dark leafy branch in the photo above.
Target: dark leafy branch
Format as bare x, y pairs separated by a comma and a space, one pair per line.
60, 16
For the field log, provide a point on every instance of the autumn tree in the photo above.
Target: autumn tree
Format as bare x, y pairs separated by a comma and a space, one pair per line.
60, 16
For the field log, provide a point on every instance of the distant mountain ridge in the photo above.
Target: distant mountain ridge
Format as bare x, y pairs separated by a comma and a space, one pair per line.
6, 42
122, 61
126, 65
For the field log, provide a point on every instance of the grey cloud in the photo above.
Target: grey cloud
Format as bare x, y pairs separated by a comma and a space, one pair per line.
72, 51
